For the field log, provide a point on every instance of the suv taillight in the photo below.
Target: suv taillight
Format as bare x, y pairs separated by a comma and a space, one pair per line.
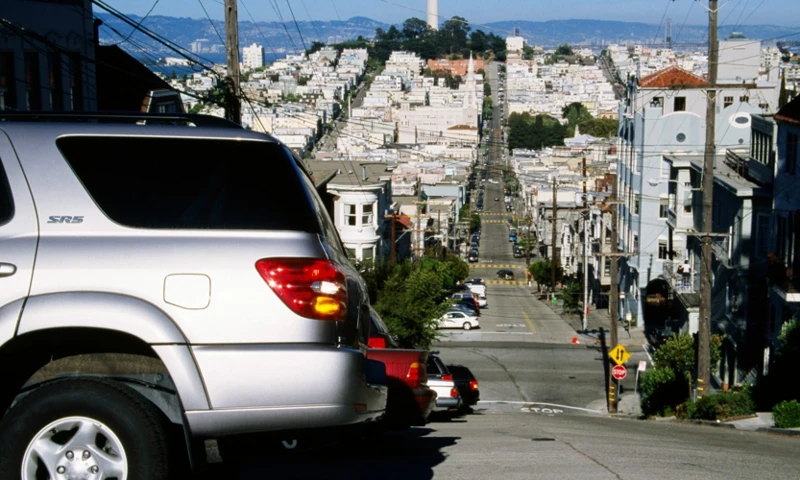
473, 384
414, 373
447, 378
310, 287
454, 392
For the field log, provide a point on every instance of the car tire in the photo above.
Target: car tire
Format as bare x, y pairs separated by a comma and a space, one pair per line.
107, 426
467, 326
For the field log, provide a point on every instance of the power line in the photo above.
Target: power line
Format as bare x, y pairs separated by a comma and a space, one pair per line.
133, 30
311, 21
222, 40
305, 48
259, 29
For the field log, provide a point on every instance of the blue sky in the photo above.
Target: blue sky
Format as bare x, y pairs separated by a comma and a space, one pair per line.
776, 12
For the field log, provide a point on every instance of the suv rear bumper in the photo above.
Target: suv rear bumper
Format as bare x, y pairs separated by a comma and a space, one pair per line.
262, 388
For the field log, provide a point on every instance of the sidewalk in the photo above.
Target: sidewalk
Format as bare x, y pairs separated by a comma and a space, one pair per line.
598, 321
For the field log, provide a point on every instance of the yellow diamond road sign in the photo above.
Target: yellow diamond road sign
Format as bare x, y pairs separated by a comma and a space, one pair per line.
619, 355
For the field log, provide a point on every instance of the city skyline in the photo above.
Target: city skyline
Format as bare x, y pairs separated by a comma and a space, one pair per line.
735, 12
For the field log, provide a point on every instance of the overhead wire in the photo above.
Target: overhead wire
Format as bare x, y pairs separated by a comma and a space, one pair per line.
297, 26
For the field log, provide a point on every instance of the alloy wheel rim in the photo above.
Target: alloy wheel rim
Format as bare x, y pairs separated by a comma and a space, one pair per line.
75, 448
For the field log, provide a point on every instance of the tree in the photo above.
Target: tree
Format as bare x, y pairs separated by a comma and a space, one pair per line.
414, 28
315, 47
564, 50
542, 274
600, 127
173, 75
571, 297
487, 89
527, 52
575, 113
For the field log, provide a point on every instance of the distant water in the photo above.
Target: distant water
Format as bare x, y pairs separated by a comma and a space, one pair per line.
206, 58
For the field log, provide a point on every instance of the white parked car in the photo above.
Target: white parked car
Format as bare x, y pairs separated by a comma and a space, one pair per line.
458, 320
482, 301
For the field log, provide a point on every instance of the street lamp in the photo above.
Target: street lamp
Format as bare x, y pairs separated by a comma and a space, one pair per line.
654, 182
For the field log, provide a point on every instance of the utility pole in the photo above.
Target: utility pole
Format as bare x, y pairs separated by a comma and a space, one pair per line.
528, 241
233, 103
393, 216
585, 254
554, 258
704, 333
613, 300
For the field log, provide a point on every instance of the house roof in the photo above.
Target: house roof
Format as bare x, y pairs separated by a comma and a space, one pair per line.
790, 112
123, 83
672, 76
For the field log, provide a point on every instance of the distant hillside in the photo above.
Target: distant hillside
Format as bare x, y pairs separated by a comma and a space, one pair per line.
278, 38
603, 32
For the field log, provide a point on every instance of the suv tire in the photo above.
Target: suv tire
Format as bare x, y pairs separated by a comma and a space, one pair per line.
126, 430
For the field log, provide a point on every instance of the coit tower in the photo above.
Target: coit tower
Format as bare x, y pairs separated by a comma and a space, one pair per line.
433, 14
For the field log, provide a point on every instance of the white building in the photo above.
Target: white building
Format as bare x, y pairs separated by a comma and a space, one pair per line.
515, 44
253, 56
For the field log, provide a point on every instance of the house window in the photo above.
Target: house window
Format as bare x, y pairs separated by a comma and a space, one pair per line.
764, 106
350, 215
607, 267
366, 214
635, 203
663, 251
679, 104
687, 198
663, 208
75, 82
8, 96
367, 253
728, 102
33, 88
55, 80
791, 153
351, 253
635, 243
744, 99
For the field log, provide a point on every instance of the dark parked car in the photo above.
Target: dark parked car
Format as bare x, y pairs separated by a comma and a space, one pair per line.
473, 256
505, 274
466, 383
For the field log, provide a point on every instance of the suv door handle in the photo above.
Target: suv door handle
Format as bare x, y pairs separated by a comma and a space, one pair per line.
7, 269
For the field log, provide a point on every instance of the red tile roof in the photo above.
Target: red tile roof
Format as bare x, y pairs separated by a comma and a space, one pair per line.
404, 220
672, 76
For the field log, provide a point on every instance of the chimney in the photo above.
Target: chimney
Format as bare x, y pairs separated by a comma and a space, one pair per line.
363, 173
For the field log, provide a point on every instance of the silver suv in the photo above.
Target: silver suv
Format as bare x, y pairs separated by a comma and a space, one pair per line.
159, 271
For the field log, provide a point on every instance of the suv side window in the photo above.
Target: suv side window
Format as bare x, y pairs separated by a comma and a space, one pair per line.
6, 205
179, 183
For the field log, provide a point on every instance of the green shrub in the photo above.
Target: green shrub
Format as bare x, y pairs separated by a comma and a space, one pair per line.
661, 391
787, 414
724, 405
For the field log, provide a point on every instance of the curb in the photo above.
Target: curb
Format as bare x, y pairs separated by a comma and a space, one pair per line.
707, 423
780, 431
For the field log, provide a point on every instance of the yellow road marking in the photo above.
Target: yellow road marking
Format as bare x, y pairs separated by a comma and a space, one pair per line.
528, 320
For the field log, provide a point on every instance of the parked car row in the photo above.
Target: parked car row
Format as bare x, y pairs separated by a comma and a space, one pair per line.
419, 382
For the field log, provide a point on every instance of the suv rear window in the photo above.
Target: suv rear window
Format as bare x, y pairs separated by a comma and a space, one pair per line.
178, 183
6, 208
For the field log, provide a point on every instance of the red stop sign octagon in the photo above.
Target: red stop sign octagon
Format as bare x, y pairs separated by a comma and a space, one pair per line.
619, 372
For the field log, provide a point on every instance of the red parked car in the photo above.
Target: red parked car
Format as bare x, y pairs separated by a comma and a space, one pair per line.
410, 399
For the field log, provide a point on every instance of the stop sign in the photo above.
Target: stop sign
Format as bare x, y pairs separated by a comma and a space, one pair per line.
619, 372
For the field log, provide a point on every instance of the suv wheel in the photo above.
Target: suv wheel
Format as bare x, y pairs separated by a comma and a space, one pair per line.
467, 326
84, 428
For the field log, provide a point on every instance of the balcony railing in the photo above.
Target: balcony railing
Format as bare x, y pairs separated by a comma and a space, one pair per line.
783, 277
680, 282
737, 159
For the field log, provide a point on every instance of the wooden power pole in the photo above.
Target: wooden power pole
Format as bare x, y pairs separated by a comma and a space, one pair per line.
393, 217
233, 103
704, 332
586, 224
613, 300
554, 258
